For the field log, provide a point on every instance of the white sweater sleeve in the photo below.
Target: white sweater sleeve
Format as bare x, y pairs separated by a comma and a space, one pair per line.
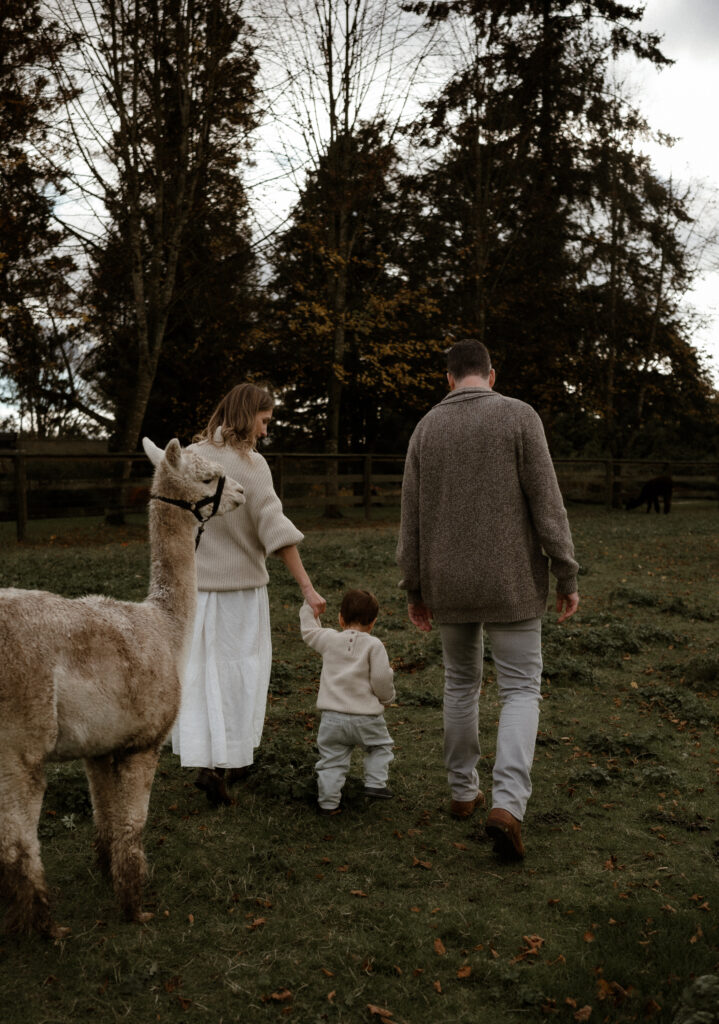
313, 634
381, 674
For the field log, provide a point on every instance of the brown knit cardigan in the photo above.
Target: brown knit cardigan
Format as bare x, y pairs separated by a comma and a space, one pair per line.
480, 508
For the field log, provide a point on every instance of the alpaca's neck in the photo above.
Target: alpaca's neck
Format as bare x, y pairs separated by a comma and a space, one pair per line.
173, 579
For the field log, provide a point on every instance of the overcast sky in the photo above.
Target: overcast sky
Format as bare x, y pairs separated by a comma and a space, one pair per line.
682, 101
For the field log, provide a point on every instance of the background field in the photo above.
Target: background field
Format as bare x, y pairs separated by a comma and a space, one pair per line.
265, 911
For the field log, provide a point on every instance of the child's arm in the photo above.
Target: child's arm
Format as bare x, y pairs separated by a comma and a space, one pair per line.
381, 676
312, 632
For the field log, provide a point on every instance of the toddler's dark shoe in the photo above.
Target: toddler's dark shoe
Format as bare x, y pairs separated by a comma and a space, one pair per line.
377, 793
328, 811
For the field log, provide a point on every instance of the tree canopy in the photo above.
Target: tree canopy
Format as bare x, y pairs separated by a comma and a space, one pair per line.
464, 168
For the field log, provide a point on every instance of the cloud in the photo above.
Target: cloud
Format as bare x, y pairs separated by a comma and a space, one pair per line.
690, 27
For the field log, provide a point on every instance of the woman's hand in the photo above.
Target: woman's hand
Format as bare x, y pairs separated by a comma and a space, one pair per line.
316, 602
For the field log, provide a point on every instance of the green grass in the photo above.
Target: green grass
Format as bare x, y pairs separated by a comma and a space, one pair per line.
265, 911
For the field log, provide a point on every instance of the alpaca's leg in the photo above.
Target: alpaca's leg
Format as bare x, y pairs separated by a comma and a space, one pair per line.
22, 878
120, 786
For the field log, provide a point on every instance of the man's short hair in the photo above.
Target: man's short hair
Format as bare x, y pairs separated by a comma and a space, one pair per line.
360, 606
469, 358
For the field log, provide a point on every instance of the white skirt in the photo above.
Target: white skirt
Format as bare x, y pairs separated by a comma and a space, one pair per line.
224, 692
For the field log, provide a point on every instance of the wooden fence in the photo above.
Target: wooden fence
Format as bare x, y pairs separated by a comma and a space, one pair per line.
38, 485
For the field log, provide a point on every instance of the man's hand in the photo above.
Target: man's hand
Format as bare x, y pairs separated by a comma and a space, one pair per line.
420, 616
567, 605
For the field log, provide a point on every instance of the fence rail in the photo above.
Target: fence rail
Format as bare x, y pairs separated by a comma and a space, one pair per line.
38, 485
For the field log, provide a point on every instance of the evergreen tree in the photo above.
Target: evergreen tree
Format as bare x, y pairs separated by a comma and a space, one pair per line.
35, 334
387, 373
510, 190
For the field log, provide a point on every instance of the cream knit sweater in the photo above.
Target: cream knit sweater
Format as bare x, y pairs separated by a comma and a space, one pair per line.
232, 550
482, 513
356, 676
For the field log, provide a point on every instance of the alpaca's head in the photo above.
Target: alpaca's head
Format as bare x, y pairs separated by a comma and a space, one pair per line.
186, 476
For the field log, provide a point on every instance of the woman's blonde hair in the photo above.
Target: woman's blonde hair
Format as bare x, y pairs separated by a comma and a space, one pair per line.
235, 417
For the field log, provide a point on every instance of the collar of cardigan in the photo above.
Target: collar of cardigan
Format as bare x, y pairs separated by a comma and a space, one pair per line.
464, 394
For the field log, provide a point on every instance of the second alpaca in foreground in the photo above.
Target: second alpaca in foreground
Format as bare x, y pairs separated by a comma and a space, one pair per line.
99, 679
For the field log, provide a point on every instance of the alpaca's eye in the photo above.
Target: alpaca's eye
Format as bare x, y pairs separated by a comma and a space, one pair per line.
209, 480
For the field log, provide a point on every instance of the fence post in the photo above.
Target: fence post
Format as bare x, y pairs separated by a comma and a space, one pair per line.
20, 494
280, 476
609, 483
367, 486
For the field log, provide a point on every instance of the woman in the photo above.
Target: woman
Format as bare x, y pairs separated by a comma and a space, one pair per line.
228, 671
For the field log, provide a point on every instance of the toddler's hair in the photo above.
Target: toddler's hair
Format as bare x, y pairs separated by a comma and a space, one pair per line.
360, 606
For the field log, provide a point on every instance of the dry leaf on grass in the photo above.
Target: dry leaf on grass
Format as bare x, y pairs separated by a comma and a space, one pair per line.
378, 1011
533, 944
439, 947
282, 996
464, 972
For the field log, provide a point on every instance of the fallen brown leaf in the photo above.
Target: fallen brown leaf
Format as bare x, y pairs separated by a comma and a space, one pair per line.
439, 947
464, 972
584, 1014
437, 987
426, 864
533, 944
281, 996
377, 1011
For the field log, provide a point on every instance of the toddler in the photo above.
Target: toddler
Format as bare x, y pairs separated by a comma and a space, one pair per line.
356, 684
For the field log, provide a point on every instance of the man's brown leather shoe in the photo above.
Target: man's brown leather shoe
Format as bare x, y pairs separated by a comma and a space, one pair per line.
506, 831
462, 809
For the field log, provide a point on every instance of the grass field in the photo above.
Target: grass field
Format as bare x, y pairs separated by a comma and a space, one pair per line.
393, 911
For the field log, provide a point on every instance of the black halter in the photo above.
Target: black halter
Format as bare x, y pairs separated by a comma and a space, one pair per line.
196, 506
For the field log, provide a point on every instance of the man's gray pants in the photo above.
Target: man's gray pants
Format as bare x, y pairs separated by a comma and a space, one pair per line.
337, 736
517, 655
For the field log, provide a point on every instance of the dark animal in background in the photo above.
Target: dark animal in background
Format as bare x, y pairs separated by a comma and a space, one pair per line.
652, 491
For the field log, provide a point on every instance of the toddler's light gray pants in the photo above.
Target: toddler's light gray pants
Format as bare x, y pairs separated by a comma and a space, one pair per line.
337, 736
517, 655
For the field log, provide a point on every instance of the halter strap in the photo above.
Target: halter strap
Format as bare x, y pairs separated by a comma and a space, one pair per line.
196, 506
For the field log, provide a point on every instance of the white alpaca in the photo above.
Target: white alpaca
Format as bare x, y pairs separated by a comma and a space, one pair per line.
100, 679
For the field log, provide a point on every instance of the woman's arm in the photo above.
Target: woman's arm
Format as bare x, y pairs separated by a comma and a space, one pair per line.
291, 557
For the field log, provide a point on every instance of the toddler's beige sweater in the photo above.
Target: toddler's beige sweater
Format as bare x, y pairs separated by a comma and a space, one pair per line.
356, 676
233, 548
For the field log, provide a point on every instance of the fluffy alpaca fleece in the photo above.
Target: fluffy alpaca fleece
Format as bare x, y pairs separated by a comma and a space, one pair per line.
98, 679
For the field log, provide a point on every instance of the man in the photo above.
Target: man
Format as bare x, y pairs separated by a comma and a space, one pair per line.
480, 507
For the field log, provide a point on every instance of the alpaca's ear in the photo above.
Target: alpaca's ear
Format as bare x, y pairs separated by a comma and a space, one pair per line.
173, 453
153, 453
